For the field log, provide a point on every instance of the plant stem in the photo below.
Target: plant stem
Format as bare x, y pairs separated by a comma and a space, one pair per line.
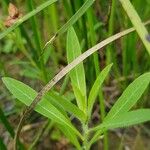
85, 135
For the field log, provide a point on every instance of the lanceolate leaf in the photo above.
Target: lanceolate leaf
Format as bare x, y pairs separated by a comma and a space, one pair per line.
26, 95
130, 96
77, 75
126, 119
67, 105
96, 86
80, 96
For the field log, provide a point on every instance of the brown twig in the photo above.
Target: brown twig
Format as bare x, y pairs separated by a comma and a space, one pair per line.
63, 72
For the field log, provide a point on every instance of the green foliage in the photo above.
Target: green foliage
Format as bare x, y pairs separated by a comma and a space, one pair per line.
6, 124
26, 95
72, 115
119, 116
127, 119
77, 75
2, 145
96, 86
130, 96
136, 21
26, 17
116, 118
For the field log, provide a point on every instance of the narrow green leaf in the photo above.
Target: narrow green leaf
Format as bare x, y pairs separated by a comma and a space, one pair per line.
67, 105
26, 95
76, 16
136, 21
2, 145
26, 17
96, 86
126, 119
7, 125
80, 96
130, 96
77, 75
71, 136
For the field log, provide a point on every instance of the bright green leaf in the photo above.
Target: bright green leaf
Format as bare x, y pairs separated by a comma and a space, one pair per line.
136, 21
26, 95
65, 104
96, 86
126, 119
130, 96
77, 75
71, 136
76, 16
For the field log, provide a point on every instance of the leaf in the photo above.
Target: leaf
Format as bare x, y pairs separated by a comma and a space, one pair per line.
136, 21
71, 136
124, 120
26, 17
77, 75
128, 119
83, 56
130, 96
76, 16
96, 86
2, 145
67, 105
80, 96
6, 124
26, 95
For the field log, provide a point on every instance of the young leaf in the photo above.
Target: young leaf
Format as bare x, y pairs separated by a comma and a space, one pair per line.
126, 119
26, 95
96, 86
130, 96
77, 75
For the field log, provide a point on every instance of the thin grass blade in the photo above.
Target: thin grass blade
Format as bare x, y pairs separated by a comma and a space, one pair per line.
6, 124
72, 20
26, 17
136, 21
2, 145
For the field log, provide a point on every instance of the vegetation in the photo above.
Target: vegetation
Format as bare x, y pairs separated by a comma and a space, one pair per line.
103, 85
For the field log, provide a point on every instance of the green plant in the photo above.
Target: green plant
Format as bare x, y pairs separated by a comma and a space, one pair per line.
38, 62
56, 107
